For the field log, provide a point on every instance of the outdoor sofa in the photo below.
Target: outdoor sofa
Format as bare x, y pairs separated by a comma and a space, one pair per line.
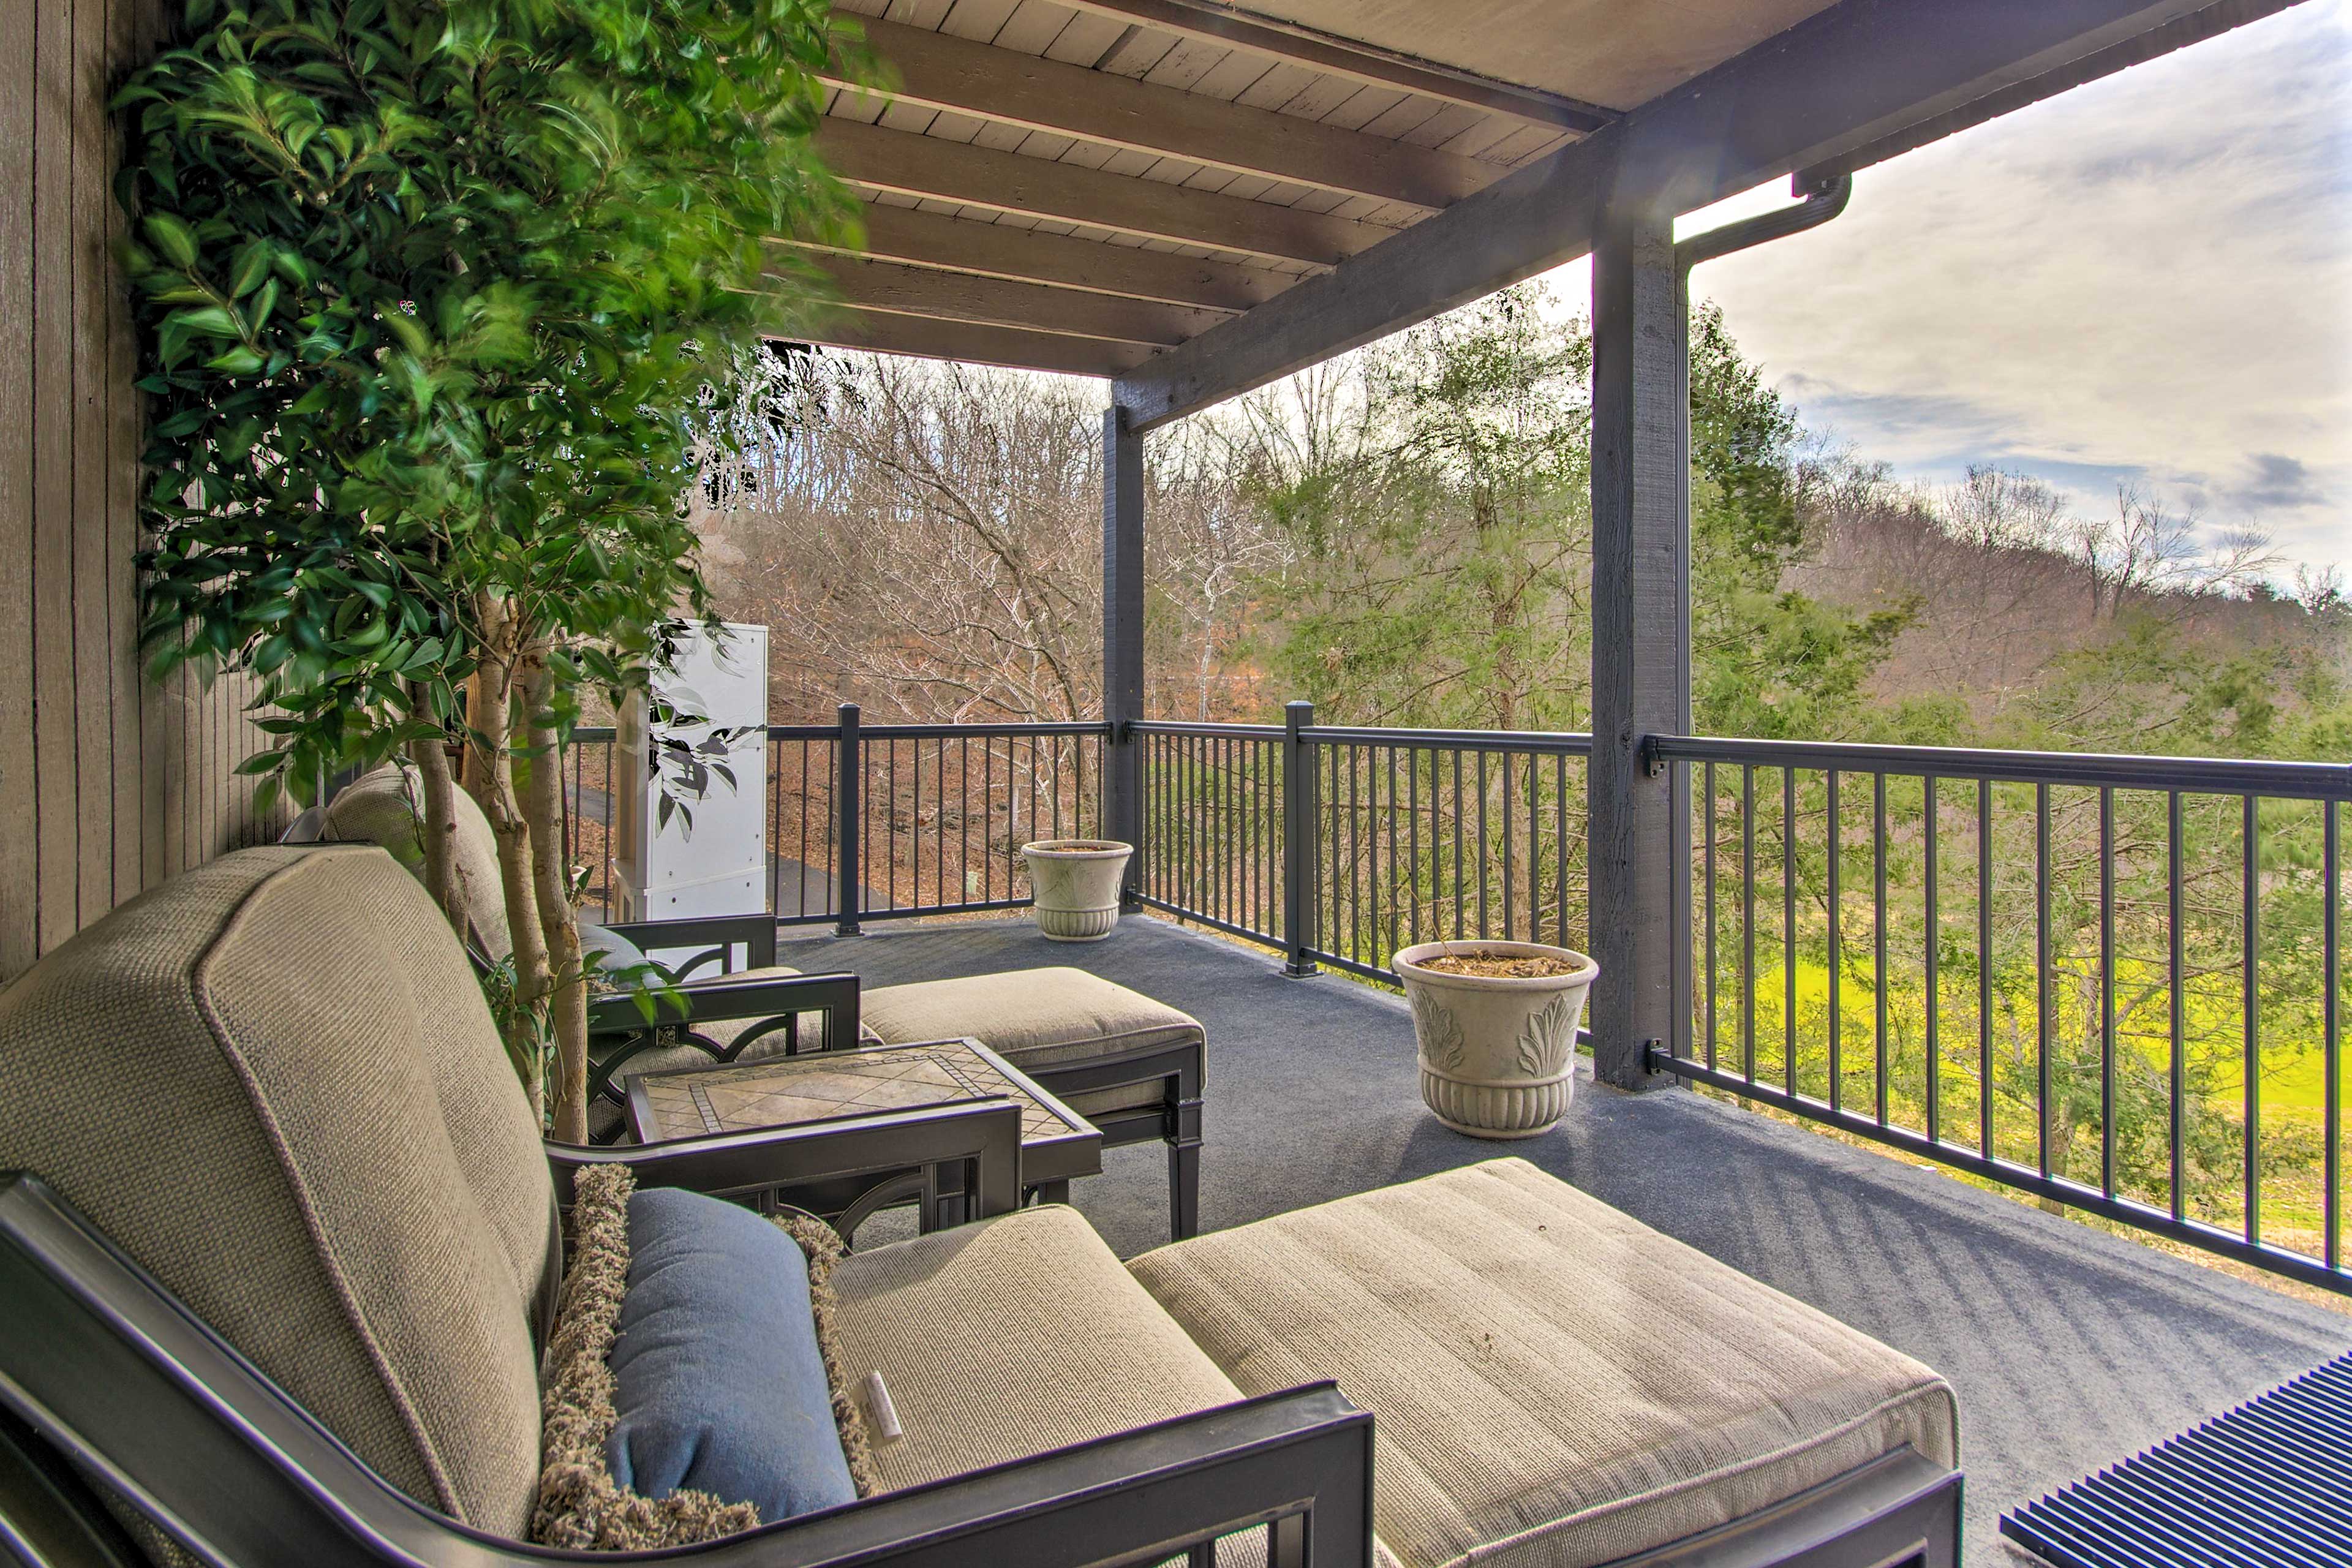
1129, 1064
280, 1244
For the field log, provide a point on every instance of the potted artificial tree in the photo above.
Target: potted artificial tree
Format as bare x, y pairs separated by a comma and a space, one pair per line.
1495, 1024
1076, 883
440, 316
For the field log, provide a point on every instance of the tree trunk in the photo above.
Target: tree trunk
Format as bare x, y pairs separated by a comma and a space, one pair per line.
543, 811
477, 688
493, 736
437, 834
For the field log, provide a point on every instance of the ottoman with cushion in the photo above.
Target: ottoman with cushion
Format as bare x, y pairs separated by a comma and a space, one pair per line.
1552, 1382
1130, 1065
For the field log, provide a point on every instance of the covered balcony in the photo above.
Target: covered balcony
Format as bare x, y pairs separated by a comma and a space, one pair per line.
1965, 966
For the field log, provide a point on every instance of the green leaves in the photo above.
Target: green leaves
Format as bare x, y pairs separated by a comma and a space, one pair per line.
468, 279
172, 239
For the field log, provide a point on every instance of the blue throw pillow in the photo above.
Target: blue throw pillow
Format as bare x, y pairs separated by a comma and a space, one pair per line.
722, 1388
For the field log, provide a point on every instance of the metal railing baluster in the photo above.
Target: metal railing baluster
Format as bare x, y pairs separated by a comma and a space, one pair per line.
2250, 850
2107, 994
1747, 923
1878, 933
1836, 846
1559, 844
1711, 960
1482, 846
2330, 1001
2045, 1000
1931, 800
1413, 835
2176, 999
1984, 968
1390, 752
1456, 844
1507, 845
1789, 929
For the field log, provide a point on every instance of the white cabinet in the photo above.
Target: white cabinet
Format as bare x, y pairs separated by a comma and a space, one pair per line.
711, 858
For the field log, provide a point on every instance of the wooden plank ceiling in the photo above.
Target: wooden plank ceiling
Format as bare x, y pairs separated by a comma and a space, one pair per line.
1080, 187
1092, 185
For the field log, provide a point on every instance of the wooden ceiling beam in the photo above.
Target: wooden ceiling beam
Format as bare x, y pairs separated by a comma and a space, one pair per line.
995, 301
919, 166
1357, 61
940, 71
972, 342
1004, 250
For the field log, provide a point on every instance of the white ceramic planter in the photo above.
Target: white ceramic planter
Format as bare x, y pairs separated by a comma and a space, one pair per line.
1076, 882
1497, 1054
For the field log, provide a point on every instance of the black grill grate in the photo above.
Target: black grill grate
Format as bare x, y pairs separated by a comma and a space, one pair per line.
2269, 1484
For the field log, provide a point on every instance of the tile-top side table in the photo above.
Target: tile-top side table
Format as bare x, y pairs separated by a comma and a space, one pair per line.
1057, 1143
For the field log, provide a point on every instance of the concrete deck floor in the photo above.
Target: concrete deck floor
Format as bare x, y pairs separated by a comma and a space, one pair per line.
2070, 1349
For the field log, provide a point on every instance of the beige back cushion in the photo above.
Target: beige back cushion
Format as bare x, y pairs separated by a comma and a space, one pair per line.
386, 809
273, 1081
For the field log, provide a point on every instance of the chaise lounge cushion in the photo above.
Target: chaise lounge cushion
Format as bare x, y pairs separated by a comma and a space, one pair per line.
1009, 1338
274, 1083
1552, 1382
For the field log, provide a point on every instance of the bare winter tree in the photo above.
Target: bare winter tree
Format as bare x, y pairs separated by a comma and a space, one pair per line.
2146, 551
925, 539
1207, 553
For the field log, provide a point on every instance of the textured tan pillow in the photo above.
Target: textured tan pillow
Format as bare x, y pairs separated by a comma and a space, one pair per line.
579, 1505
385, 808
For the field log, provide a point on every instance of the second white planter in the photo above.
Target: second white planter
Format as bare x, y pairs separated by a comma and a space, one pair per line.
1076, 883
1498, 1052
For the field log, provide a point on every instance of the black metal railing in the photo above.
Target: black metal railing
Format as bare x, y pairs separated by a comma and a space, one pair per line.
1211, 840
879, 819
1343, 845
2114, 983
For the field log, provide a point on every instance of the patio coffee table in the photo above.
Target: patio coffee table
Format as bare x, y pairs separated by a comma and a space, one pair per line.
1057, 1143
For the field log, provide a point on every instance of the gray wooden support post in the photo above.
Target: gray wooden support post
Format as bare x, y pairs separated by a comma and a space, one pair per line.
848, 819
1641, 628
1302, 857
1122, 625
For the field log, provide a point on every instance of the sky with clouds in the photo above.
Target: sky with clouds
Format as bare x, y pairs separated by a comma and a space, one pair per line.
2148, 278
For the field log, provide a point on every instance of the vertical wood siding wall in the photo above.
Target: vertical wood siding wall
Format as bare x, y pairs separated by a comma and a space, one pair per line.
108, 784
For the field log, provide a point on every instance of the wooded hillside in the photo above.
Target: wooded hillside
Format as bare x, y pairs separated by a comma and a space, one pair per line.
1403, 536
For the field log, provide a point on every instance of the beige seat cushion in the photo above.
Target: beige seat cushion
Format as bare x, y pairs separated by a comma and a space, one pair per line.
1505, 1331
274, 1083
1009, 1338
1035, 1018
